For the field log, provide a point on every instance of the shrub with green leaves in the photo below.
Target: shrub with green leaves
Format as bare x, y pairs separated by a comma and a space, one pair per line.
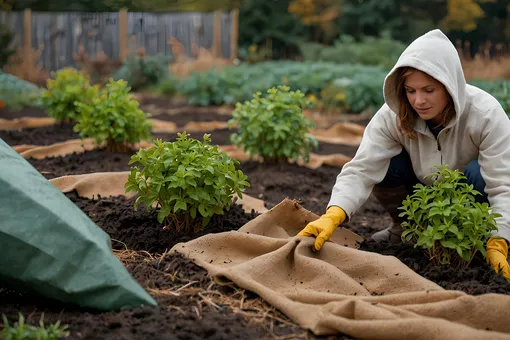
143, 71
113, 117
69, 87
23, 331
17, 93
445, 220
189, 180
274, 127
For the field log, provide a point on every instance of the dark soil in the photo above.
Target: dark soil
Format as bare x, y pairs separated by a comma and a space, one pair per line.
177, 317
182, 119
98, 160
24, 112
478, 278
140, 230
45, 135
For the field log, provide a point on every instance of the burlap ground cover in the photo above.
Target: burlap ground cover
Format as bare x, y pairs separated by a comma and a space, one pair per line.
277, 243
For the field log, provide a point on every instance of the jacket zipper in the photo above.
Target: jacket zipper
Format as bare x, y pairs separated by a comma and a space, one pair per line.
439, 146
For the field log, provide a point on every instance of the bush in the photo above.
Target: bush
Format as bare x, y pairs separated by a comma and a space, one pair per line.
143, 72
445, 220
188, 179
383, 51
63, 93
17, 93
168, 86
274, 127
113, 116
235, 84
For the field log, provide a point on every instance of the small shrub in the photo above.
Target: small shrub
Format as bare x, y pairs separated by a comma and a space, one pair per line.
22, 331
168, 86
274, 127
113, 116
445, 220
17, 93
143, 71
63, 93
188, 179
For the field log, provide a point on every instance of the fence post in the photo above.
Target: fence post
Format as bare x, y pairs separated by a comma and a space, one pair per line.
27, 39
123, 47
234, 36
217, 34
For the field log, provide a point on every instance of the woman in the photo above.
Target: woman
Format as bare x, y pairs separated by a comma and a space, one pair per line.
431, 116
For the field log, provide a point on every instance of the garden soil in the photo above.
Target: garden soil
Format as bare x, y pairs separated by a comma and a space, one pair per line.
204, 309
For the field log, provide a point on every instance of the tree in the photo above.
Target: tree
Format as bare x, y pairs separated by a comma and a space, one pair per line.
262, 21
320, 14
462, 15
403, 20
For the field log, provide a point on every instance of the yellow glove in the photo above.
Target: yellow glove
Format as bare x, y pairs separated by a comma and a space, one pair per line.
497, 254
323, 227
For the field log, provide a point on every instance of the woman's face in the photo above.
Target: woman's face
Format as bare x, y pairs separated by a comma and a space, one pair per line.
427, 96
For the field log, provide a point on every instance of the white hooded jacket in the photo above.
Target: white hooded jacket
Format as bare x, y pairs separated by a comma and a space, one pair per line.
480, 130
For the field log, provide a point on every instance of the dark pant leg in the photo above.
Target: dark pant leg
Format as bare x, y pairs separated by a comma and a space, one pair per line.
474, 177
400, 173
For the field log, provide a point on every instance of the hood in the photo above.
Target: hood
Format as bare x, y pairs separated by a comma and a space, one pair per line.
434, 54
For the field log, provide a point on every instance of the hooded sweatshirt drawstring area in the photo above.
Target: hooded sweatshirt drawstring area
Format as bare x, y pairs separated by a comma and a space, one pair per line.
479, 131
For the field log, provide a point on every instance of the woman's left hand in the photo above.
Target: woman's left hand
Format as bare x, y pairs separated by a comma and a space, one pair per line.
497, 254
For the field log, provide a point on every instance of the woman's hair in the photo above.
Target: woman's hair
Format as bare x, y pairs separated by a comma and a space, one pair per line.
406, 116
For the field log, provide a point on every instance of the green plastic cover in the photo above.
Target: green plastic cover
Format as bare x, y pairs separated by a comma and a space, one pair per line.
48, 246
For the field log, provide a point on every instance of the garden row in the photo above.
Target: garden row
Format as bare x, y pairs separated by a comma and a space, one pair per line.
350, 88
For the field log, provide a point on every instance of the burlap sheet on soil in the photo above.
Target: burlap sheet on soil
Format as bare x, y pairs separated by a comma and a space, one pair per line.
112, 184
79, 146
25, 123
331, 291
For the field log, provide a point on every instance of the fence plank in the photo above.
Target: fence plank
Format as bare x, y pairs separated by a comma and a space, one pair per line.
62, 33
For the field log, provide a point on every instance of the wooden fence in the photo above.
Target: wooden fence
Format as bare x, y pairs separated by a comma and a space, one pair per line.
114, 33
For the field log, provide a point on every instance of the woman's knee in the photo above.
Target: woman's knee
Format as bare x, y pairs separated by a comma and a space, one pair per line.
400, 172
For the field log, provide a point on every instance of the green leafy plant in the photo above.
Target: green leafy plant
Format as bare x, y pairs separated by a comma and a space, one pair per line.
22, 331
168, 86
274, 127
63, 94
113, 117
445, 220
17, 93
187, 180
143, 71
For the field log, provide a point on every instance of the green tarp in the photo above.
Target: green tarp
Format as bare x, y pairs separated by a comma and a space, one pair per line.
50, 247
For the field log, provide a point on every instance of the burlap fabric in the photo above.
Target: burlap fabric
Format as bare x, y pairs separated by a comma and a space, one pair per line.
338, 290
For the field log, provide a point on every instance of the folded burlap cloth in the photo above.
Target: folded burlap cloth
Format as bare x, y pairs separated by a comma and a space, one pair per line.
342, 289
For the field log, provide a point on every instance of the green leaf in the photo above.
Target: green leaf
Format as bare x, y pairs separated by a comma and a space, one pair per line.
180, 205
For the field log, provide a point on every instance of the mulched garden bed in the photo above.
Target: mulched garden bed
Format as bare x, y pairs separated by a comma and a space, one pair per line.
210, 314
44, 135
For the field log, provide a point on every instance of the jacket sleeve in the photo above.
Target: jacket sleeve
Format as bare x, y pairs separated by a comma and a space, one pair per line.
357, 178
494, 160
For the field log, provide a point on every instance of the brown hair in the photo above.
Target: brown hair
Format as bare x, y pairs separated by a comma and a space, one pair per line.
406, 116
